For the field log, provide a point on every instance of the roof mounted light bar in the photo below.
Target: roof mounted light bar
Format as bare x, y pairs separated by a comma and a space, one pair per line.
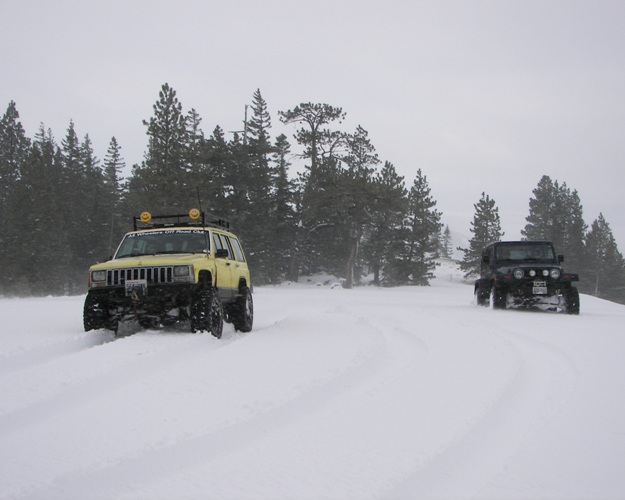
194, 218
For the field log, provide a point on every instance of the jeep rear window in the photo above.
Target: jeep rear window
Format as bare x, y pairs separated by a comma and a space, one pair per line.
525, 252
167, 241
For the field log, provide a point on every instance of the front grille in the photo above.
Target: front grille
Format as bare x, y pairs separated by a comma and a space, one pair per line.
153, 275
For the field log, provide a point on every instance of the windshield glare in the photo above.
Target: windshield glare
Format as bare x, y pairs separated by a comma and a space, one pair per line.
166, 241
525, 252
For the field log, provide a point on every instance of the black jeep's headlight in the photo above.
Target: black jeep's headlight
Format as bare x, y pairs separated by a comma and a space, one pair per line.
518, 274
555, 273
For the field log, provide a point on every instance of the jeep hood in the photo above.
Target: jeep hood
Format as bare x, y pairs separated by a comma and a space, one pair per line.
151, 260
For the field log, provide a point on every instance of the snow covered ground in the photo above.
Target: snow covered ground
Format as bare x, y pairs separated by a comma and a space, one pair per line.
406, 393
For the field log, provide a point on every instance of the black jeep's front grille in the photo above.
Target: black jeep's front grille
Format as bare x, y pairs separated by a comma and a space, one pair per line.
153, 275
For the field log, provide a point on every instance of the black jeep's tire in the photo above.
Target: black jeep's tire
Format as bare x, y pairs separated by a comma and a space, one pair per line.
572, 301
207, 313
94, 313
481, 298
242, 311
497, 298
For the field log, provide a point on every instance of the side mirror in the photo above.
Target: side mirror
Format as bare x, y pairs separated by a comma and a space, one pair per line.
485, 259
222, 253
560, 258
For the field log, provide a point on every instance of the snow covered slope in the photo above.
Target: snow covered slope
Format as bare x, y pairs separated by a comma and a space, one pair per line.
349, 394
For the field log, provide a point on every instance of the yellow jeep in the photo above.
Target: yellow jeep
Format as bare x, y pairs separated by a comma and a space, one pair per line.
173, 270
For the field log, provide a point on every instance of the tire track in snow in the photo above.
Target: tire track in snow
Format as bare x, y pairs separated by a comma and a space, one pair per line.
66, 392
45, 353
378, 361
543, 381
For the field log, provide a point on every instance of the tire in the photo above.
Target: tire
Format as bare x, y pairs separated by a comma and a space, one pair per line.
497, 298
94, 314
207, 313
572, 301
242, 311
481, 298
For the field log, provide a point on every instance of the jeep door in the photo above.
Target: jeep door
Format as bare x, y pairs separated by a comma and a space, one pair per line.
224, 267
241, 271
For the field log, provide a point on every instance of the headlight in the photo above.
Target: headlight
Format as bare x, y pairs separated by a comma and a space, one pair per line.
518, 274
180, 271
555, 273
98, 276
183, 274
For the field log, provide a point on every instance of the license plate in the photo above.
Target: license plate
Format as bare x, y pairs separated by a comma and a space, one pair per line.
539, 288
136, 289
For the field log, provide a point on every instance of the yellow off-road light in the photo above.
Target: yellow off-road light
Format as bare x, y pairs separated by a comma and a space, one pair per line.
145, 217
194, 214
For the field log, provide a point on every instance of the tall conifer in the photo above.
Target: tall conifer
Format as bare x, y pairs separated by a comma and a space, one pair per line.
486, 229
390, 206
606, 266
416, 259
164, 171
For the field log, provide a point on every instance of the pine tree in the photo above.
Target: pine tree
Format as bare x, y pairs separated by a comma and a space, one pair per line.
14, 148
216, 183
316, 140
42, 261
319, 183
195, 146
416, 260
486, 229
606, 266
256, 215
82, 201
358, 198
112, 170
390, 206
113, 187
573, 245
283, 216
556, 216
542, 209
163, 183
445, 244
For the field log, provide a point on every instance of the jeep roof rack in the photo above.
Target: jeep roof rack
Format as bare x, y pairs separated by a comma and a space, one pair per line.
194, 218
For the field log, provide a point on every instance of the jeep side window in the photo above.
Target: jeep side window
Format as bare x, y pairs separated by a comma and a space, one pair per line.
236, 247
221, 245
217, 244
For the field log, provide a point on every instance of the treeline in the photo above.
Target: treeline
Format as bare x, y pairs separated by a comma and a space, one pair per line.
556, 214
347, 213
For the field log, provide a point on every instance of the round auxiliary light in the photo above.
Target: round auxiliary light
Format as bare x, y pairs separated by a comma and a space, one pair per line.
532, 273
555, 273
518, 274
145, 217
194, 214
545, 273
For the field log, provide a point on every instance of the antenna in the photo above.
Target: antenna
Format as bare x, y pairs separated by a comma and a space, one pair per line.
199, 202
244, 131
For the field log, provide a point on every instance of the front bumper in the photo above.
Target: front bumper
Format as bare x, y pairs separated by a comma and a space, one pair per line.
151, 305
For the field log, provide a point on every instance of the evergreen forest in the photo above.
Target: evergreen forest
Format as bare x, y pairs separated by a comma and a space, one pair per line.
346, 213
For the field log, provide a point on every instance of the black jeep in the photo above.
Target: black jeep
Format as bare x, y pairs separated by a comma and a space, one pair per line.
525, 274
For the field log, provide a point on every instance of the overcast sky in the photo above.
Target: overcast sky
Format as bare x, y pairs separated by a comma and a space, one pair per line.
480, 95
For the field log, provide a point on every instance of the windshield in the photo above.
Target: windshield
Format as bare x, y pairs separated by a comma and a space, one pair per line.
521, 252
163, 242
